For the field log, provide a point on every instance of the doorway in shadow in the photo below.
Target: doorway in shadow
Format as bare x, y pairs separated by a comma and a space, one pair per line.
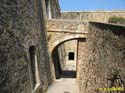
68, 74
57, 65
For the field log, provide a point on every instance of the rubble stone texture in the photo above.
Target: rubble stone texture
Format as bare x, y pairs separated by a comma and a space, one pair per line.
101, 52
96, 16
103, 61
21, 22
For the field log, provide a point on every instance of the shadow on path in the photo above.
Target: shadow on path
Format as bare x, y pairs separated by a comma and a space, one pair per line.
68, 74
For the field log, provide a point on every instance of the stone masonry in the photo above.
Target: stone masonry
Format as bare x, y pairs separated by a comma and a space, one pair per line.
24, 59
101, 60
97, 16
34, 32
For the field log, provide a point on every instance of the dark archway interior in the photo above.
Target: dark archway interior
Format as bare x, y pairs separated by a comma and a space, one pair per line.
32, 66
57, 66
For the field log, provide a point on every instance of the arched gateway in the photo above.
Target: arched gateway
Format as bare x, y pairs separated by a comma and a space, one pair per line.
60, 31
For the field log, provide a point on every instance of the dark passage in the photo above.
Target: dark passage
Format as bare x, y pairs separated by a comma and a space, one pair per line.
68, 74
32, 66
71, 55
55, 57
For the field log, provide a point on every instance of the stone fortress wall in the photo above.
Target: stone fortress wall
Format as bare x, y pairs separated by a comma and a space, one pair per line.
88, 71
101, 59
25, 63
24, 57
98, 16
86, 16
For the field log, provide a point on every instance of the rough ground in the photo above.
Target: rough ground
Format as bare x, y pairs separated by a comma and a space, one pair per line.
64, 85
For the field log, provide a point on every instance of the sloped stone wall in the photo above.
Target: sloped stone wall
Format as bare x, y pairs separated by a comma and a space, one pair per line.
103, 62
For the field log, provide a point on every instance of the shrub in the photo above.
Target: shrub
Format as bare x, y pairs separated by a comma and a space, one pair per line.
118, 20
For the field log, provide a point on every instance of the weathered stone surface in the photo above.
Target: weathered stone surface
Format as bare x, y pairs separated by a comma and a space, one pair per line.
14, 77
59, 31
64, 49
98, 16
66, 25
80, 55
102, 64
22, 26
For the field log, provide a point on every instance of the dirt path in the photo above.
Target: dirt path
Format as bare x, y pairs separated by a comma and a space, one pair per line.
64, 85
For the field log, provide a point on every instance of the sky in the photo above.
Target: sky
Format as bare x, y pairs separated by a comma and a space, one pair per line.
87, 5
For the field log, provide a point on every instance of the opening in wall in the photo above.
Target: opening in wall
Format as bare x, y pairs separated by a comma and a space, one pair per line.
47, 7
32, 66
71, 55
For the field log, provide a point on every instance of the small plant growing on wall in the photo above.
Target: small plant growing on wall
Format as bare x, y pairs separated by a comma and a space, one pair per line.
118, 20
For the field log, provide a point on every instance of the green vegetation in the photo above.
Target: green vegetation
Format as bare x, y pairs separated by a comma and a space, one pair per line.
119, 20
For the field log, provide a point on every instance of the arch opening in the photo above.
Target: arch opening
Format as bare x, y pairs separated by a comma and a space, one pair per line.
32, 65
71, 55
59, 71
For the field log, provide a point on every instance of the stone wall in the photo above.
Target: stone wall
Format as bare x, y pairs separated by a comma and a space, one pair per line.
102, 59
66, 25
64, 49
22, 26
98, 16
70, 46
59, 31
62, 55
80, 55
55, 9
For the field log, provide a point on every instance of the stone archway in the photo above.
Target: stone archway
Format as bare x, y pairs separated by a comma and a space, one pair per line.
55, 56
60, 31
64, 39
